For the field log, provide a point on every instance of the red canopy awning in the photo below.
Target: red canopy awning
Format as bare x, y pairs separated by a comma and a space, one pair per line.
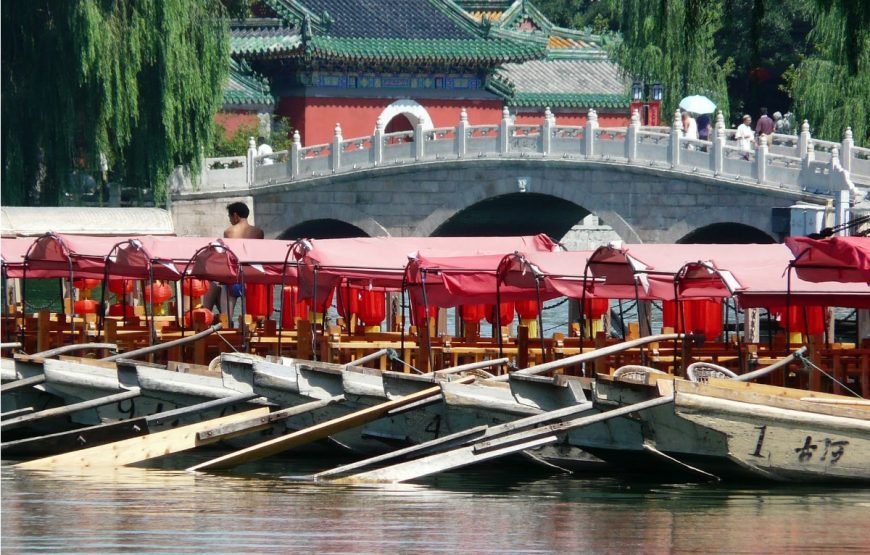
843, 259
12, 253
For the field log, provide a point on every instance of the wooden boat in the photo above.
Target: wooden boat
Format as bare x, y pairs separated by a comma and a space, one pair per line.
782, 434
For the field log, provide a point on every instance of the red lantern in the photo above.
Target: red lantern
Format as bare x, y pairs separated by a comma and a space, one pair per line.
259, 299
348, 301
472, 312
194, 287
86, 283
420, 313
121, 286
201, 316
118, 310
293, 307
505, 314
527, 310
706, 318
596, 308
162, 293
86, 306
809, 320
373, 307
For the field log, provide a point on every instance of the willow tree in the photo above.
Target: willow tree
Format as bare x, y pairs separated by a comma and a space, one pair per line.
129, 83
672, 42
831, 86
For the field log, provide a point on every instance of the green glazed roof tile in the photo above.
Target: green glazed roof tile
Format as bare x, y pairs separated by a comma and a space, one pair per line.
424, 50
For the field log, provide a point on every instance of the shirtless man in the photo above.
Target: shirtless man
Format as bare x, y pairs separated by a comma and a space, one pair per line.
239, 226
239, 229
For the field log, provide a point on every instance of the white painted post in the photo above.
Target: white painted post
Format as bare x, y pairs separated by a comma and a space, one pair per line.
295, 154
547, 131
462, 134
504, 133
419, 142
676, 133
336, 148
842, 190
804, 140
761, 158
250, 160
378, 142
809, 154
719, 144
591, 126
631, 137
846, 151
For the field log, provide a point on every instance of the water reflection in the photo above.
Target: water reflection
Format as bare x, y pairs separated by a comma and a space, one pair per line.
480, 510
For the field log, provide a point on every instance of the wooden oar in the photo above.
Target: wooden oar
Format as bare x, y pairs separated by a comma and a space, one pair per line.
139, 449
318, 431
69, 409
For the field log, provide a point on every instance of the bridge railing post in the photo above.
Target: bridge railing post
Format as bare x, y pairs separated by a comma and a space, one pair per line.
462, 134
718, 158
295, 155
419, 142
761, 158
378, 143
250, 160
631, 137
336, 149
809, 154
547, 131
846, 150
504, 132
676, 133
804, 139
589, 134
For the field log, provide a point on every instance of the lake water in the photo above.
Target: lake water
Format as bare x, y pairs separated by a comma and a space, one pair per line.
496, 508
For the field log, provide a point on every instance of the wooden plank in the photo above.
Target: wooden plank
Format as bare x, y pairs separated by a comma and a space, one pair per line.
232, 430
139, 449
318, 431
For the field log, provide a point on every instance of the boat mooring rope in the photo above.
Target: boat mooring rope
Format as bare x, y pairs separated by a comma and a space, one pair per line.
809, 364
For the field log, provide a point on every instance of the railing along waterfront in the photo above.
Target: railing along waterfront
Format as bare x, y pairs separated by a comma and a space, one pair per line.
795, 163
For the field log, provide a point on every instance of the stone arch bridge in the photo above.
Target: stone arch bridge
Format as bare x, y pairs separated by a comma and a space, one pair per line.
649, 184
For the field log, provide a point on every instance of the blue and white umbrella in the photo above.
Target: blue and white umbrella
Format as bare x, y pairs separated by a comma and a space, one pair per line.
698, 104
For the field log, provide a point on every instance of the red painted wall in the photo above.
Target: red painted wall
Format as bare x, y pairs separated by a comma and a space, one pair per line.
231, 121
315, 118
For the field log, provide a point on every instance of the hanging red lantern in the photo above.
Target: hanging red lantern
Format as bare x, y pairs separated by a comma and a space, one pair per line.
121, 286
596, 308
162, 293
472, 312
348, 301
200, 316
86, 306
706, 318
86, 283
809, 320
259, 299
505, 313
293, 307
118, 310
372, 307
527, 310
420, 313
194, 287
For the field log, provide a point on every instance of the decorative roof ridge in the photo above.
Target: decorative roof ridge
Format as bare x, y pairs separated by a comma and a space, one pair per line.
257, 90
461, 17
592, 54
295, 13
257, 22
500, 86
521, 8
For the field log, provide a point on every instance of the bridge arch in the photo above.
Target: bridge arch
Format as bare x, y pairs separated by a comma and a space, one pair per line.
727, 232
323, 228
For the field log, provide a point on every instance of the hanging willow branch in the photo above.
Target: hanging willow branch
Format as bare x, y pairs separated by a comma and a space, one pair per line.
137, 81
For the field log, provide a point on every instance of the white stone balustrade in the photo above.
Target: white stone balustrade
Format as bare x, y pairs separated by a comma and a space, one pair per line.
795, 163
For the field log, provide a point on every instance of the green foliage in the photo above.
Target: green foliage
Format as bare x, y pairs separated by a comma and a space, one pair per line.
137, 80
825, 89
673, 42
237, 143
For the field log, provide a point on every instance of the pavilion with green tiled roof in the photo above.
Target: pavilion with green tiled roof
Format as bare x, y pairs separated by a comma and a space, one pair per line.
413, 62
